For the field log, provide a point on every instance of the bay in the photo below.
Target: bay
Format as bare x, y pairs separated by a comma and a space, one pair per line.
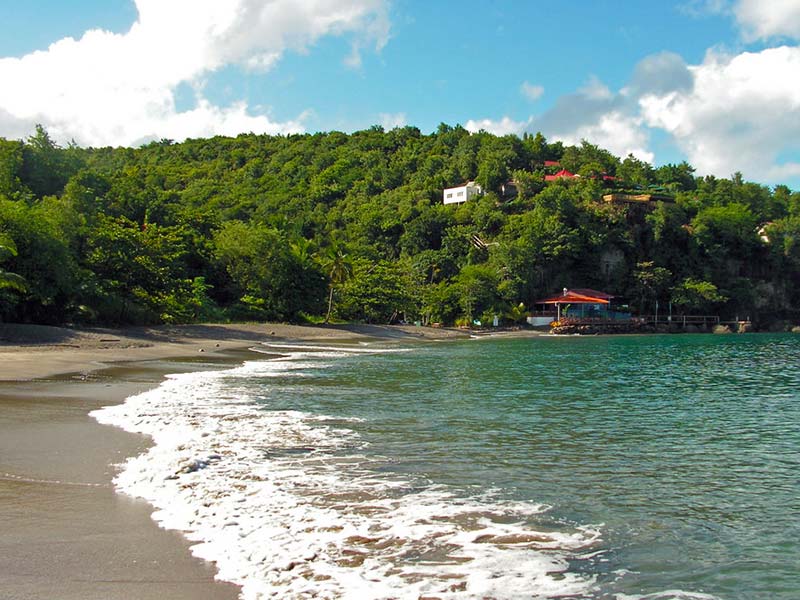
625, 467
683, 450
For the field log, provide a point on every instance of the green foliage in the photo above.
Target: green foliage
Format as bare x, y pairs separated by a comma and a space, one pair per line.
676, 177
651, 281
376, 293
635, 172
724, 232
10, 167
516, 313
270, 280
8, 280
692, 294
476, 286
46, 167
353, 227
137, 271
43, 259
588, 155
339, 267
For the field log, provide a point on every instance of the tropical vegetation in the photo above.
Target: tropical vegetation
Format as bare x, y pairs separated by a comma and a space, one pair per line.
352, 227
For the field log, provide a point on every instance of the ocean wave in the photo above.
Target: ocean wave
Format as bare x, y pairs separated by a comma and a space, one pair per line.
289, 504
343, 349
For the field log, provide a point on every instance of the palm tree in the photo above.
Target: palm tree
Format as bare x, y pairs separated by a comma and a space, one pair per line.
517, 313
10, 280
339, 267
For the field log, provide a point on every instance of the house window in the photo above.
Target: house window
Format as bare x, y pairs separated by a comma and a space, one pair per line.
461, 193
450, 195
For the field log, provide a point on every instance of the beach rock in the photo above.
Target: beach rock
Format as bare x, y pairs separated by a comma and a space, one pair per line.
796, 329
720, 329
745, 327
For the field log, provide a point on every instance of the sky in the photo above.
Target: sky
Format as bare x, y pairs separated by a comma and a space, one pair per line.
714, 82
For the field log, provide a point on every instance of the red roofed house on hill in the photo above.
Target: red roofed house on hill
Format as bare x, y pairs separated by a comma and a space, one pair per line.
562, 174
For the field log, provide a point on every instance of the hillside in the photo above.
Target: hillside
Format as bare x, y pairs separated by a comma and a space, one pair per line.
290, 227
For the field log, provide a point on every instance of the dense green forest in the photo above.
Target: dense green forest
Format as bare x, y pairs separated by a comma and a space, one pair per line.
353, 227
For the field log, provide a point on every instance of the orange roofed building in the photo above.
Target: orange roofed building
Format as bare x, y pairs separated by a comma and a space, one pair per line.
577, 303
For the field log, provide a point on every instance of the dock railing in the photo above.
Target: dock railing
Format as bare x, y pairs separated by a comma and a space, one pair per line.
683, 320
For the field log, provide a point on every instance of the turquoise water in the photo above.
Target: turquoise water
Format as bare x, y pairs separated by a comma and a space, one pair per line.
683, 451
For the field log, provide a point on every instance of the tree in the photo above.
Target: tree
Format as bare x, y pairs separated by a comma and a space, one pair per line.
575, 157
677, 176
694, 294
41, 233
339, 267
516, 313
137, 272
724, 232
477, 288
10, 166
270, 281
376, 292
650, 281
635, 172
46, 167
10, 280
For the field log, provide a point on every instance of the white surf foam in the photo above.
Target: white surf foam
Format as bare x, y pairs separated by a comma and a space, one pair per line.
338, 349
288, 505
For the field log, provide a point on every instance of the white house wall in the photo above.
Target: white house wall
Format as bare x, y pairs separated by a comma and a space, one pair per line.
460, 194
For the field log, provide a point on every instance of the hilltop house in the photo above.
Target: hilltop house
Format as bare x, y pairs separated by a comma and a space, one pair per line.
462, 193
562, 174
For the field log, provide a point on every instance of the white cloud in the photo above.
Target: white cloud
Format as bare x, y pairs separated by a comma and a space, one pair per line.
108, 88
757, 19
763, 19
600, 116
531, 91
390, 121
615, 131
504, 126
596, 89
730, 113
701, 8
742, 114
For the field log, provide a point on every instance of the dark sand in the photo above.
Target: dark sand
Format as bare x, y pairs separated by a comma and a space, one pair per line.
64, 532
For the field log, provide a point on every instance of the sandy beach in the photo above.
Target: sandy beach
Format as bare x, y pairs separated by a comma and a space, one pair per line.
65, 532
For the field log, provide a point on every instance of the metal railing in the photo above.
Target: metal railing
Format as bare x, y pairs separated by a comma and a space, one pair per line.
704, 320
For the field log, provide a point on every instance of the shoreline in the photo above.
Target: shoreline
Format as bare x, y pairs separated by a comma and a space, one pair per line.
67, 532
29, 352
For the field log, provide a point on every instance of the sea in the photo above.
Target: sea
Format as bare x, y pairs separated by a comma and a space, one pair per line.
600, 467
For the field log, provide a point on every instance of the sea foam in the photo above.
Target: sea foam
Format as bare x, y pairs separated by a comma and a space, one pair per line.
290, 504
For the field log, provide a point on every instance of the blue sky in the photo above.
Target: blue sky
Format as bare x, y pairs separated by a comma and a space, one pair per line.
716, 82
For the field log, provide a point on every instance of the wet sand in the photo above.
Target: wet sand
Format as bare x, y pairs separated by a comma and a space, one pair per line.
64, 532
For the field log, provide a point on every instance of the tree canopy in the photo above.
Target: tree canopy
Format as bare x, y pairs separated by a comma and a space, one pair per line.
352, 226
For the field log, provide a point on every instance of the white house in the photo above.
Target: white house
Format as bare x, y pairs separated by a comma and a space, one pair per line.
462, 193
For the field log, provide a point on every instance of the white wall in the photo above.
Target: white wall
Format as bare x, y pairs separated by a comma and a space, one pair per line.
462, 193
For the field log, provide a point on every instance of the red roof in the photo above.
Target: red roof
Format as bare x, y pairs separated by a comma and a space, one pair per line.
591, 292
578, 296
560, 174
552, 163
